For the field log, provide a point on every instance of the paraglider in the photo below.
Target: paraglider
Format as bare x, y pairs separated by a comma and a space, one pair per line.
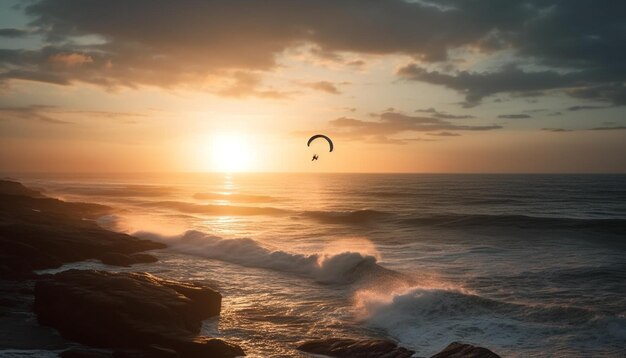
330, 142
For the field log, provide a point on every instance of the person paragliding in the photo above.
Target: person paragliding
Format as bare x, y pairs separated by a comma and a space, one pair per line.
330, 142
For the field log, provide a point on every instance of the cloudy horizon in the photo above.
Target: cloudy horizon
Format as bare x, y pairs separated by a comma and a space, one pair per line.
402, 86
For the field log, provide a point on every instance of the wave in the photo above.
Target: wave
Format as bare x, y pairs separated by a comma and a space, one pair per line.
346, 217
221, 210
517, 221
343, 267
119, 191
356, 217
427, 319
244, 198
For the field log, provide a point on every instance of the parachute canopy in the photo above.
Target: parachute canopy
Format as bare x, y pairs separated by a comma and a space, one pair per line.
330, 142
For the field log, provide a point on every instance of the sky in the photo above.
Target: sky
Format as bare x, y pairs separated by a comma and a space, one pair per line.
453, 86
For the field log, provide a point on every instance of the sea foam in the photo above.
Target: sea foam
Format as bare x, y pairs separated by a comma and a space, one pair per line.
339, 267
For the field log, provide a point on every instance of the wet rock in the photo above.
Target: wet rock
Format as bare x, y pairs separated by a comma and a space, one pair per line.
345, 347
8, 187
130, 310
117, 259
461, 350
41, 233
85, 353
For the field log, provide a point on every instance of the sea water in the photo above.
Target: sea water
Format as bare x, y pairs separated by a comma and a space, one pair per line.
526, 265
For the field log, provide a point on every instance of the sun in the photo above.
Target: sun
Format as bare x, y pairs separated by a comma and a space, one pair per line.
230, 153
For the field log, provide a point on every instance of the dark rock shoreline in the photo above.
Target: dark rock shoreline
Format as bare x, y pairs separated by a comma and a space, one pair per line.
127, 314
116, 314
38, 233
131, 310
380, 348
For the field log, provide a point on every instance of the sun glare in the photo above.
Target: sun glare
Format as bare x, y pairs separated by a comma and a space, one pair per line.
230, 153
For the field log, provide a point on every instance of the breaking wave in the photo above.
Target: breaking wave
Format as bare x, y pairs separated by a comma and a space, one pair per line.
343, 267
428, 319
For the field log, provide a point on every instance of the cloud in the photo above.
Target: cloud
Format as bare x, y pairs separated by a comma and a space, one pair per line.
396, 141
70, 59
13, 33
580, 108
51, 114
478, 85
607, 128
443, 115
324, 86
247, 84
614, 93
556, 130
220, 37
389, 124
33, 112
514, 116
575, 47
444, 134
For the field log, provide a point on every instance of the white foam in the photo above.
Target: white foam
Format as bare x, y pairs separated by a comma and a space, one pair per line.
334, 268
427, 319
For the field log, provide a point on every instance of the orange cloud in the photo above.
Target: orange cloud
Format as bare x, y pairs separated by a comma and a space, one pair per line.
71, 59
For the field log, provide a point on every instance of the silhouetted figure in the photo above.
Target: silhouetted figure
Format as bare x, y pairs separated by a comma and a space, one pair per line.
314, 157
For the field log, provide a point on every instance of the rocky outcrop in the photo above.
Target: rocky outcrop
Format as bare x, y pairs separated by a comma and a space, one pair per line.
39, 233
130, 310
8, 187
462, 350
377, 348
346, 347
116, 259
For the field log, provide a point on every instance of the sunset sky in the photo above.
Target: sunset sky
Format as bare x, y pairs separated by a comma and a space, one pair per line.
400, 86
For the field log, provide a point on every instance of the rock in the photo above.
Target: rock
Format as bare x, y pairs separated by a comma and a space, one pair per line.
41, 233
130, 311
345, 347
85, 353
462, 350
160, 352
143, 258
117, 259
8, 187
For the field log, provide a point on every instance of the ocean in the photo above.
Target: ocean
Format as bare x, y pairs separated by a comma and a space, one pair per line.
525, 265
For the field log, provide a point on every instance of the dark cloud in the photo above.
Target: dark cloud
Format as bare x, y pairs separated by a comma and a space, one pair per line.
443, 115
579, 46
514, 116
389, 124
444, 134
167, 43
612, 92
477, 85
11, 32
556, 130
607, 128
581, 108
584, 43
